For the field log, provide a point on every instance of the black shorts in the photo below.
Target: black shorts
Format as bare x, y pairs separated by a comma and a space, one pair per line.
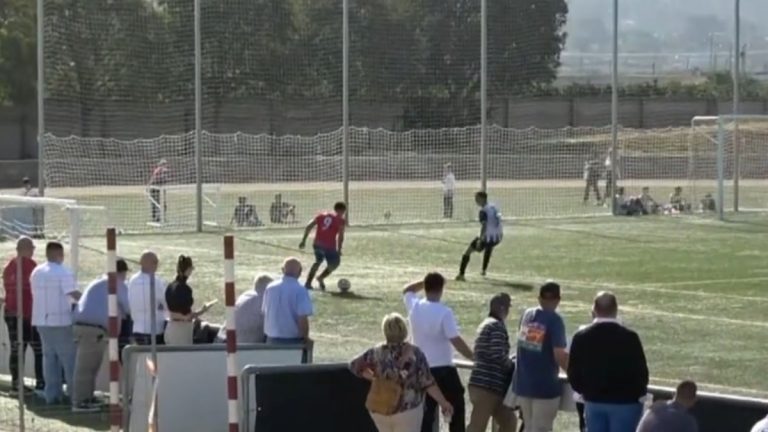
479, 244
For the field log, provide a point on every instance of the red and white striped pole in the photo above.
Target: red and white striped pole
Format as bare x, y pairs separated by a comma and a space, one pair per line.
229, 303
115, 415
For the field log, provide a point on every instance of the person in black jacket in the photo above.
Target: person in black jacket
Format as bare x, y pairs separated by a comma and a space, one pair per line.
607, 367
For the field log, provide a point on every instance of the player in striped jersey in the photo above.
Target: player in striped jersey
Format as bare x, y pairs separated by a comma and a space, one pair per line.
490, 236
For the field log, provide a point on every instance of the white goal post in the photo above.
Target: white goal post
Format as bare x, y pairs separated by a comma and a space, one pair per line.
59, 219
729, 155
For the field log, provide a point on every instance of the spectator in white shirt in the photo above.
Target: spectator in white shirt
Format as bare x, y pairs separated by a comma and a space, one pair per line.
141, 303
761, 426
449, 188
287, 307
54, 291
249, 320
436, 333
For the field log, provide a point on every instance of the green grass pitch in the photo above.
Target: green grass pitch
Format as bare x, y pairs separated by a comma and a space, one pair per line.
695, 289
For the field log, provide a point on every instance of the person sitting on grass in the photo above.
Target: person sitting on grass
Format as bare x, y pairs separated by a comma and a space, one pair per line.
649, 205
677, 203
280, 211
245, 214
708, 204
397, 364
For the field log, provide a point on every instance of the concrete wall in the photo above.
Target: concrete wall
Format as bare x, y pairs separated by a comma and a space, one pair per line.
127, 121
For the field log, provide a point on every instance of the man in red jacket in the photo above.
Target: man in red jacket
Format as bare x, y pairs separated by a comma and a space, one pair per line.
25, 249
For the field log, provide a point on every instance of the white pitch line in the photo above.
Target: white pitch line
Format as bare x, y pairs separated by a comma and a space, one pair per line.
705, 282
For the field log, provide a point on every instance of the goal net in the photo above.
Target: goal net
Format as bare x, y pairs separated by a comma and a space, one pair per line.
728, 159
64, 220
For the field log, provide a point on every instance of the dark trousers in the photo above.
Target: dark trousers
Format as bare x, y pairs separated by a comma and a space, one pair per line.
608, 185
448, 206
582, 420
31, 338
158, 200
447, 379
591, 185
146, 339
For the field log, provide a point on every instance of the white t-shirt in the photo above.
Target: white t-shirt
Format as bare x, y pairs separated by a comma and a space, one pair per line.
52, 285
433, 325
141, 305
761, 426
449, 184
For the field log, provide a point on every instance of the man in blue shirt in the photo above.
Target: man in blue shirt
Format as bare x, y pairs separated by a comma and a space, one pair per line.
541, 352
287, 307
91, 337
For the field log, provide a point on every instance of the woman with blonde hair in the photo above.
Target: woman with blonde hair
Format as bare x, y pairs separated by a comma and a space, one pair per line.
400, 378
179, 329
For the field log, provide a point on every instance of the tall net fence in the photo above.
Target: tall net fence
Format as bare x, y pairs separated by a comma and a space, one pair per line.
121, 97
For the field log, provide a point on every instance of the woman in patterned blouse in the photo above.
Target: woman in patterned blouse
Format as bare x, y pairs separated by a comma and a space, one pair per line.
398, 360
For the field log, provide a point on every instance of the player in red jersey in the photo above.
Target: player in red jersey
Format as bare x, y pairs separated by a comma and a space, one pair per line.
329, 238
157, 181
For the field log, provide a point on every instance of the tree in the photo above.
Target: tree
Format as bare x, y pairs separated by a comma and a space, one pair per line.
18, 64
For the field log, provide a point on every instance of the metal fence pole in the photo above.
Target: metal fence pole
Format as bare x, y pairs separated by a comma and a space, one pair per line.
40, 98
198, 120
345, 102
614, 108
736, 100
720, 167
483, 95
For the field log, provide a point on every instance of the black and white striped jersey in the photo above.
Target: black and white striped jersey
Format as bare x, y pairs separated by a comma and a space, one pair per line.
490, 217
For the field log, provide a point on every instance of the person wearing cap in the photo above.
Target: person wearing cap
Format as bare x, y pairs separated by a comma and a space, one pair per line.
608, 368
490, 378
25, 249
91, 335
157, 180
541, 353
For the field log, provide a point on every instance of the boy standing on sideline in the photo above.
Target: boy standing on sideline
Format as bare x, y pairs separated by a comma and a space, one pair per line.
541, 353
436, 333
449, 189
25, 249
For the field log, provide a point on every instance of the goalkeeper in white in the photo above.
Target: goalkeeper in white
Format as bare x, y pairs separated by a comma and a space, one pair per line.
491, 233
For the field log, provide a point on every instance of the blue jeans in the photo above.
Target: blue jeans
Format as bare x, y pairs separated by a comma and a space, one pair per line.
603, 417
58, 353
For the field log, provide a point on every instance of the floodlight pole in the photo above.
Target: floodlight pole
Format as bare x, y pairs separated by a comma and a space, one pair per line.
736, 101
198, 121
483, 95
614, 108
345, 103
40, 100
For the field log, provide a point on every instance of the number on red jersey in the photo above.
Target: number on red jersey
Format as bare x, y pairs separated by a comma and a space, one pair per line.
328, 227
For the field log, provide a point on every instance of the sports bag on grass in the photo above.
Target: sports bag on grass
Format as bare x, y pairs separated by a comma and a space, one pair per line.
385, 393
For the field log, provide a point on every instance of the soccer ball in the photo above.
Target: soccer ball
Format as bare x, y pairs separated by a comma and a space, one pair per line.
344, 285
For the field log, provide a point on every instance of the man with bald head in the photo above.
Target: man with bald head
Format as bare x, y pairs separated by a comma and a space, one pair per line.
607, 367
141, 302
25, 249
287, 307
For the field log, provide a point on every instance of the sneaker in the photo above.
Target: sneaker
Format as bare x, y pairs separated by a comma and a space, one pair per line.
308, 286
482, 273
460, 278
85, 407
321, 283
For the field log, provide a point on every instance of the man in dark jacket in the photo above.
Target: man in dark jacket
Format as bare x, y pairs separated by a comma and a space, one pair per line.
607, 367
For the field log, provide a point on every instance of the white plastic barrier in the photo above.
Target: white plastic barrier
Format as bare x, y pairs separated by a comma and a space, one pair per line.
191, 384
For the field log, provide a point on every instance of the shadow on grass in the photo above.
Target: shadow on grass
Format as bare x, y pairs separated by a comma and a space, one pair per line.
353, 296
517, 286
37, 411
